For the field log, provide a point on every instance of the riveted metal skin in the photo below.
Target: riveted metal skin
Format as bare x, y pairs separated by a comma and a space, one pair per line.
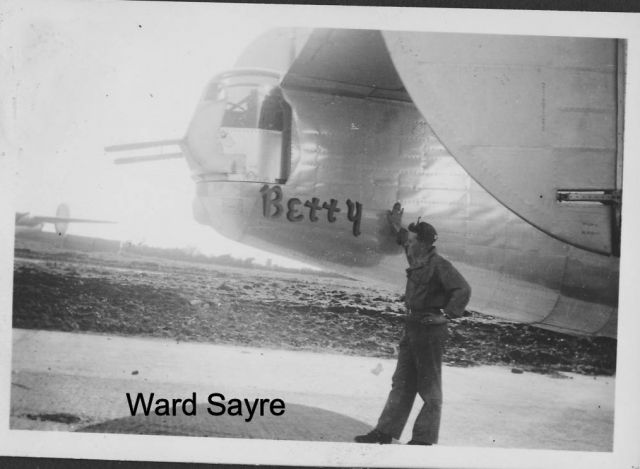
348, 149
525, 116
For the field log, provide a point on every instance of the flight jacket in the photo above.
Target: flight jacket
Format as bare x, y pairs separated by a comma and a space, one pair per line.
434, 287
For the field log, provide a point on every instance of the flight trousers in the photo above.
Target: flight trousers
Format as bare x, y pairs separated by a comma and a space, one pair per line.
418, 371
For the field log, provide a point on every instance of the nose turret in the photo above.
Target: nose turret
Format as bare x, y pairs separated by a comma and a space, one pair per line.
238, 140
241, 129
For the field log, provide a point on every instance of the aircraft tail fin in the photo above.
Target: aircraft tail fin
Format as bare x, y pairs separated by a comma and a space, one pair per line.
62, 219
138, 152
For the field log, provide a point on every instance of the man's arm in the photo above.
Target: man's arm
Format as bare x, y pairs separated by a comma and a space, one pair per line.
457, 287
394, 217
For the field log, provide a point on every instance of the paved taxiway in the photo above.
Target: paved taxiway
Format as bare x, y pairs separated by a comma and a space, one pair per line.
87, 375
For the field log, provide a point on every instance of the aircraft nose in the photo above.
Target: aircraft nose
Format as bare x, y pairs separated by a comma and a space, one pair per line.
227, 206
241, 130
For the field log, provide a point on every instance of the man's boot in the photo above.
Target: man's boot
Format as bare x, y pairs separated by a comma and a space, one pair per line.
416, 442
374, 436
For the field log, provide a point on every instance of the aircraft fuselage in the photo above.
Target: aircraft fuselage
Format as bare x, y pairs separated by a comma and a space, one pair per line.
305, 146
349, 152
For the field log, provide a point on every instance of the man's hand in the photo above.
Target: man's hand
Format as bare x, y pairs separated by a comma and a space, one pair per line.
394, 217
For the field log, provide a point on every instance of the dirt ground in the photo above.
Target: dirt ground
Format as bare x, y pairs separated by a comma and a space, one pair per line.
128, 295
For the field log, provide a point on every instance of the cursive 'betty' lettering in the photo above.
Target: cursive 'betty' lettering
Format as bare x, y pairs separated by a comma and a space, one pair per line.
273, 207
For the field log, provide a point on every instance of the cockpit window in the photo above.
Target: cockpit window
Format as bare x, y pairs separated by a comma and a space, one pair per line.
241, 108
272, 112
249, 106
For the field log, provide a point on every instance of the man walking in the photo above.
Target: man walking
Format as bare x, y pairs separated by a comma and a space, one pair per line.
435, 292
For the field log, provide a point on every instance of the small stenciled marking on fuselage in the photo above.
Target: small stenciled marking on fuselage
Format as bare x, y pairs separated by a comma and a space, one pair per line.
273, 206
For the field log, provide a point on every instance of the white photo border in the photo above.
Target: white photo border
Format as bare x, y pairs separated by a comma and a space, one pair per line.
296, 453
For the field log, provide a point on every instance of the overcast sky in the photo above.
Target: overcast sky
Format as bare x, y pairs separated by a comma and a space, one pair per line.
84, 75
91, 75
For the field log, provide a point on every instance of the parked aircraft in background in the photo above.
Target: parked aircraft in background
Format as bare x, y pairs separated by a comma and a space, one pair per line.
26, 222
511, 146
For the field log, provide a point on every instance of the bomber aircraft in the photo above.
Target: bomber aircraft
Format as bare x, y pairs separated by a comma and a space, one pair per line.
26, 223
511, 146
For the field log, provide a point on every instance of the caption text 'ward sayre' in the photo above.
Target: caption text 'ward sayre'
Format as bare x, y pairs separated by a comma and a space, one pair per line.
218, 405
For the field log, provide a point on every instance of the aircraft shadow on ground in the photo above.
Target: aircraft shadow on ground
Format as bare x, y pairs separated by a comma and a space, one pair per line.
299, 422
